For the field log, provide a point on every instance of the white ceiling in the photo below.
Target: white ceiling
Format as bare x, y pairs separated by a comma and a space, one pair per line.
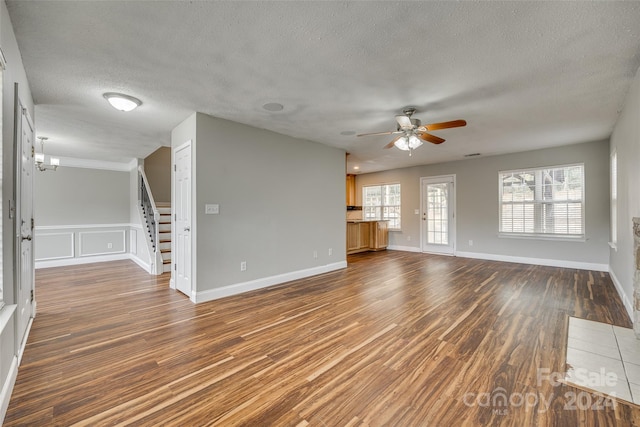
524, 75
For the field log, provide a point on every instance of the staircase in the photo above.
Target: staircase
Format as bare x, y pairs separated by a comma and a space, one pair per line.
164, 234
157, 218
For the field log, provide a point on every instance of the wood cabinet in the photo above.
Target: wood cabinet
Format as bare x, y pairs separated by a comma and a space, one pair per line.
379, 235
351, 190
367, 236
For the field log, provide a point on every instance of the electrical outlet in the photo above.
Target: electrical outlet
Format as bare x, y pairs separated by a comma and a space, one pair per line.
408, 238
470, 242
315, 254
243, 266
330, 251
109, 245
416, 211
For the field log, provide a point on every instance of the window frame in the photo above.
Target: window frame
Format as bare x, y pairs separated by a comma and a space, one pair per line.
382, 205
538, 235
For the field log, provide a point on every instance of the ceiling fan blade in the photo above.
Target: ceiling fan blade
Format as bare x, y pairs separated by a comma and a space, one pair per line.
390, 145
378, 133
430, 138
446, 125
404, 122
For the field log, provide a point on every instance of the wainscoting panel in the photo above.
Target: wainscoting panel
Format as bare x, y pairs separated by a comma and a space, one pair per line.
104, 242
54, 246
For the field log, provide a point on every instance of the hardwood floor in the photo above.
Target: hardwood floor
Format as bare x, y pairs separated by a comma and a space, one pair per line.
397, 338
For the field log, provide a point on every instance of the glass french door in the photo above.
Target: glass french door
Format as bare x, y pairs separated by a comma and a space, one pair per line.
438, 214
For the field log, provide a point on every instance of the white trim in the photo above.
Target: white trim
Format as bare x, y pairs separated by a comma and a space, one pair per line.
144, 265
73, 246
83, 260
7, 388
536, 261
24, 340
403, 248
625, 300
76, 226
252, 285
73, 162
124, 243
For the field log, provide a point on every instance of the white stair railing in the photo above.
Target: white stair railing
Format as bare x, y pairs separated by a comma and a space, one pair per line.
151, 216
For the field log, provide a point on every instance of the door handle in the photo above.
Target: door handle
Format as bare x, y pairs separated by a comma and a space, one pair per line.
26, 238
187, 228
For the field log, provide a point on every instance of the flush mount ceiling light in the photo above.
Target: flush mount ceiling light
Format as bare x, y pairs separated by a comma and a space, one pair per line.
122, 102
273, 106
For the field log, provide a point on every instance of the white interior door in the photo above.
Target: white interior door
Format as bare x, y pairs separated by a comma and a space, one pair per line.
24, 227
438, 214
182, 218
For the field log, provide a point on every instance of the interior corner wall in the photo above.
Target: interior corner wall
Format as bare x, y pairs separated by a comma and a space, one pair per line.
157, 168
625, 140
477, 206
281, 205
14, 73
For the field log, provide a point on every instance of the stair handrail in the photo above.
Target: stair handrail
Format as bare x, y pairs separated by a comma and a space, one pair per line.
148, 204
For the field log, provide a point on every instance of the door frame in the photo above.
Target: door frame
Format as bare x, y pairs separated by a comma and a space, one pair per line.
452, 221
19, 111
175, 258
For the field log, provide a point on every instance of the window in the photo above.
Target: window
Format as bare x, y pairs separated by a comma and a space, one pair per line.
382, 202
614, 199
543, 202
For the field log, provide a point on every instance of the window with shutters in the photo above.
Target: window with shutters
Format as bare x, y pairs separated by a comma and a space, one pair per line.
542, 202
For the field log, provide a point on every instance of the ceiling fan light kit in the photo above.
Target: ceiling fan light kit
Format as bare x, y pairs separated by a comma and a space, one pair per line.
413, 133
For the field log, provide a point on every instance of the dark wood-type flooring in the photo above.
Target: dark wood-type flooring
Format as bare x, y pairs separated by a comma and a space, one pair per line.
396, 339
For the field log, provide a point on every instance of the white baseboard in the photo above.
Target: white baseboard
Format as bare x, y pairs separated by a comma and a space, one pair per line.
84, 260
536, 261
24, 340
252, 285
625, 299
7, 388
403, 248
144, 265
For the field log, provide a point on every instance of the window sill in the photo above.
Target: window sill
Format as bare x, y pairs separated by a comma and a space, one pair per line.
543, 237
613, 246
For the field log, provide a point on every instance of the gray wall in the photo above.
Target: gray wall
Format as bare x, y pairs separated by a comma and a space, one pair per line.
477, 203
14, 73
157, 167
626, 141
73, 196
280, 198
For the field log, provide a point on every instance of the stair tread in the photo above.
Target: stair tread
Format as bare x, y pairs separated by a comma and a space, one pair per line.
165, 250
166, 261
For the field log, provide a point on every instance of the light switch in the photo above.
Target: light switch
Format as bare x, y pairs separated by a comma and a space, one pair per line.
416, 211
212, 209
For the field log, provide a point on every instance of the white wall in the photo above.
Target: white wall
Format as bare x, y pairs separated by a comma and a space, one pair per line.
13, 73
477, 206
280, 198
87, 215
625, 140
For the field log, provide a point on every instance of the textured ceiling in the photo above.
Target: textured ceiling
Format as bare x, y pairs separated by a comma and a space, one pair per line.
524, 75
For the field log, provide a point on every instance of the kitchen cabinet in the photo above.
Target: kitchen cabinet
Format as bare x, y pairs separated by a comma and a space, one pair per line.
351, 190
379, 235
367, 236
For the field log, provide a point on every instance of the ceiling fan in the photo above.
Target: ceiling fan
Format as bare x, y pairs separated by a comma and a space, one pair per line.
412, 133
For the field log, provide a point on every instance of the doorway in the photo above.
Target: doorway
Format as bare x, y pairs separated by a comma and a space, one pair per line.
24, 220
182, 271
438, 228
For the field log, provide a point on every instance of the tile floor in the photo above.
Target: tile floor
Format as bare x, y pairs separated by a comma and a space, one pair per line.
604, 358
